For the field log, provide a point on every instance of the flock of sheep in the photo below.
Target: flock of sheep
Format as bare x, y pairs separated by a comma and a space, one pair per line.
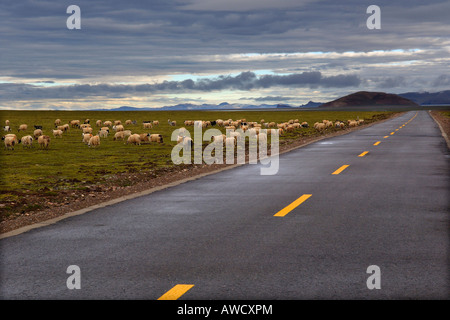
121, 133
87, 132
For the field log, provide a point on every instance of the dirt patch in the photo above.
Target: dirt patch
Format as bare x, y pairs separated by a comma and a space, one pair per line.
50, 205
444, 123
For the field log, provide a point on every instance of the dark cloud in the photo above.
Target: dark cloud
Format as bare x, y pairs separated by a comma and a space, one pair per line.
243, 81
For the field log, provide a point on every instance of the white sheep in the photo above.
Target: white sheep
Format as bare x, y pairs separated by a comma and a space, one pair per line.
44, 141
26, 141
22, 127
134, 139
94, 141
155, 137
86, 137
10, 142
37, 133
57, 133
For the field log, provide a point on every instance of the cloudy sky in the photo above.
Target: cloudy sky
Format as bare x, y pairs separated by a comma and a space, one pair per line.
164, 52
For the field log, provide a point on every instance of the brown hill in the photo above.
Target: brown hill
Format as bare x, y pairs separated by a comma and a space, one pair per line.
365, 99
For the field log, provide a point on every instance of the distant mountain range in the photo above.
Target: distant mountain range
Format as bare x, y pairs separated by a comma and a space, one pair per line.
355, 99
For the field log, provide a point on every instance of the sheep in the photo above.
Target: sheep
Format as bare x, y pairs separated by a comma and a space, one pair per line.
147, 125
7, 128
352, 123
44, 141
107, 123
75, 123
9, 135
26, 141
6, 122
271, 125
155, 137
145, 137
22, 127
57, 133
187, 141
171, 123
290, 128
86, 137
305, 124
64, 127
98, 123
320, 126
87, 130
134, 139
117, 122
128, 122
219, 138
119, 135
156, 123
57, 122
85, 125
94, 141
118, 127
103, 133
86, 121
180, 139
10, 142
126, 133
37, 133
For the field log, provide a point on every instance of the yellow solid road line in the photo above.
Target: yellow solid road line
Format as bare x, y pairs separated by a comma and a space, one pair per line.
363, 154
377, 143
292, 206
176, 292
345, 166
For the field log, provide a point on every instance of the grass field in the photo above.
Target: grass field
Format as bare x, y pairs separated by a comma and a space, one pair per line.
69, 164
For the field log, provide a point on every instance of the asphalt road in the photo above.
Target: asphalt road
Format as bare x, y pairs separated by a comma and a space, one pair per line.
219, 234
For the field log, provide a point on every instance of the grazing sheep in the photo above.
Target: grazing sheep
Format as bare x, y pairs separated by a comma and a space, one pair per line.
10, 142
219, 138
44, 141
7, 128
87, 130
94, 141
107, 123
320, 126
171, 123
145, 137
6, 122
120, 135
98, 123
22, 127
155, 137
75, 123
305, 124
26, 141
147, 125
128, 122
118, 127
57, 133
87, 121
156, 123
37, 133
57, 122
86, 137
134, 139
103, 133
117, 122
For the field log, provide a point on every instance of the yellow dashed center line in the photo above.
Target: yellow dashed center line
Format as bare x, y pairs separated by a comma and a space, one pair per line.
363, 154
386, 137
176, 292
392, 133
345, 166
292, 206
377, 143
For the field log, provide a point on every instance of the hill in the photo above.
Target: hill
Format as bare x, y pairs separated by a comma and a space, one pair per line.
370, 99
